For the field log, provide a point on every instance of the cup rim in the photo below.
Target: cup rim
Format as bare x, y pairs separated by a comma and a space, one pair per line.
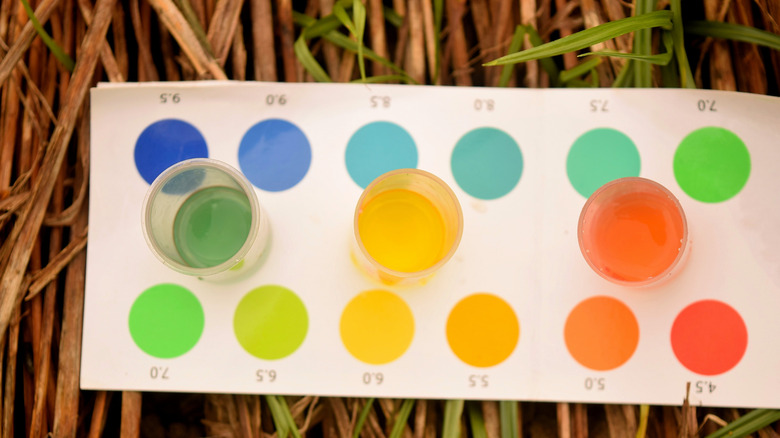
156, 187
684, 244
453, 247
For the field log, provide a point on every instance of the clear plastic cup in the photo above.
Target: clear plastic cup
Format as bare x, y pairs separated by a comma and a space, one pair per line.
633, 232
201, 217
408, 224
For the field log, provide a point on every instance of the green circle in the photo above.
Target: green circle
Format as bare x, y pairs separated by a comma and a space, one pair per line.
270, 322
711, 164
166, 321
600, 156
487, 163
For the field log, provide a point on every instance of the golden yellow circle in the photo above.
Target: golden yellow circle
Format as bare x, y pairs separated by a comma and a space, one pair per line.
482, 330
377, 327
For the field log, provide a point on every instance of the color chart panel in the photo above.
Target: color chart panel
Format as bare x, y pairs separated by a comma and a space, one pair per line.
517, 313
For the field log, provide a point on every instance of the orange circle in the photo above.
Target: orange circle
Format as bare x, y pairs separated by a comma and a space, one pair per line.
482, 330
601, 333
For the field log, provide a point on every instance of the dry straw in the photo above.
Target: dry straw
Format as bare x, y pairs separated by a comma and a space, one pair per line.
44, 163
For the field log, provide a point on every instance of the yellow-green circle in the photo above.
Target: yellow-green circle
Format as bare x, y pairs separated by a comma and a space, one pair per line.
377, 327
166, 321
270, 322
711, 164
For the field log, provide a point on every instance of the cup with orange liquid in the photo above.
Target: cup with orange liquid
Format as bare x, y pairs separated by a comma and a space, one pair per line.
408, 224
633, 232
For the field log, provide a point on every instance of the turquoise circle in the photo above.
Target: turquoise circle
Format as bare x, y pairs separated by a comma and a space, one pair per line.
487, 163
378, 148
600, 156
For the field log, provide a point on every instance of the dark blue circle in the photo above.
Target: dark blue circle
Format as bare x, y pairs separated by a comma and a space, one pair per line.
165, 143
274, 155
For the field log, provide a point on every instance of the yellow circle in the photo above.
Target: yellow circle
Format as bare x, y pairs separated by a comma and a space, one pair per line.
482, 330
377, 327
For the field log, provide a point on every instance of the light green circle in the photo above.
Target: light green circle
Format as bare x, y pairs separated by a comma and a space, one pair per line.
166, 321
599, 156
270, 322
711, 164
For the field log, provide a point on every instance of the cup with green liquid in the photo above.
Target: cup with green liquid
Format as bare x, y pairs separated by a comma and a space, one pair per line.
201, 217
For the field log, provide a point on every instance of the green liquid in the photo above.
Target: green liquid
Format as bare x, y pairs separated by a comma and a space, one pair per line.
211, 226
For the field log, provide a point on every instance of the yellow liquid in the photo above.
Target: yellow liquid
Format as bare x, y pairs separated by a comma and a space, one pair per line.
402, 230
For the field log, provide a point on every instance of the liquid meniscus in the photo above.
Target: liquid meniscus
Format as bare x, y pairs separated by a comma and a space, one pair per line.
211, 226
402, 230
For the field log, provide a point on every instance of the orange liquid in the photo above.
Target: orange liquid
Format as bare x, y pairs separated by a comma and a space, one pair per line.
633, 236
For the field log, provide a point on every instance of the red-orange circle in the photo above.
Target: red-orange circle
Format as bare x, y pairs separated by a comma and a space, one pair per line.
709, 337
601, 333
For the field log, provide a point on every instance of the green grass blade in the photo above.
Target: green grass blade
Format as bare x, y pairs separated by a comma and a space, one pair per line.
747, 424
341, 14
280, 421
658, 59
288, 417
579, 70
401, 418
438, 13
392, 16
670, 74
514, 46
313, 28
453, 409
510, 426
476, 420
56, 50
643, 45
362, 418
307, 60
644, 413
326, 28
626, 76
686, 76
359, 17
548, 65
192, 19
736, 32
589, 37
346, 43
356, 26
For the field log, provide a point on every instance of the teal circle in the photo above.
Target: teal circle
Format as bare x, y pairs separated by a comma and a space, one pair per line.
487, 163
378, 148
166, 321
711, 164
600, 156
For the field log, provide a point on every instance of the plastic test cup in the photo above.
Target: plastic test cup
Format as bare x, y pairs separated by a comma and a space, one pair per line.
633, 232
201, 217
408, 223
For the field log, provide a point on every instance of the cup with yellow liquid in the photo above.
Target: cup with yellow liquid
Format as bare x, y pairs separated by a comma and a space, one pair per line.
408, 224
633, 232
201, 217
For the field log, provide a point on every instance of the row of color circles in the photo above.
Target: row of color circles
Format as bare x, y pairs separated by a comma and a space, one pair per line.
377, 327
711, 164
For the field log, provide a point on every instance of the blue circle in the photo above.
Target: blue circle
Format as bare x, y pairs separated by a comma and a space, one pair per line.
165, 143
378, 148
487, 163
274, 155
